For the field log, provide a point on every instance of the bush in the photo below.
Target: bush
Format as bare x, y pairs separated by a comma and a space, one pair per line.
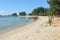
14, 14
22, 13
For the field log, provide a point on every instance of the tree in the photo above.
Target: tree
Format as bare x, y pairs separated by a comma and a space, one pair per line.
54, 7
22, 13
30, 14
14, 14
39, 11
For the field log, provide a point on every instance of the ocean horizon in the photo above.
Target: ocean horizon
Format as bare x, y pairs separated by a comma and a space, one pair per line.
8, 23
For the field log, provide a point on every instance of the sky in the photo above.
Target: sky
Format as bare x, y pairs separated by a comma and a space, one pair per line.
7, 7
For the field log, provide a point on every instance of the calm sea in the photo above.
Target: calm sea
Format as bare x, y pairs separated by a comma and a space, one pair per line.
8, 23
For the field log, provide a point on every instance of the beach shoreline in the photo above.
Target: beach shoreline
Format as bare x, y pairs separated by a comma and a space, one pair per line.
25, 30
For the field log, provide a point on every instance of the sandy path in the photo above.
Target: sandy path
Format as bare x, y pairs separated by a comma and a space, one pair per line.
28, 32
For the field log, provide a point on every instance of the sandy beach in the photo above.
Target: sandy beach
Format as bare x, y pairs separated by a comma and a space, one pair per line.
38, 30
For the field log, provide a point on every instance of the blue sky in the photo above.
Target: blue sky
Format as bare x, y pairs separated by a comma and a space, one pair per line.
8, 7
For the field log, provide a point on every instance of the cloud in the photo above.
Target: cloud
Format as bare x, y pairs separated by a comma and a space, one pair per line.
2, 12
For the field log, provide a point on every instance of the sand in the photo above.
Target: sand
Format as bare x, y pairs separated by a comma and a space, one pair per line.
56, 22
49, 33
38, 30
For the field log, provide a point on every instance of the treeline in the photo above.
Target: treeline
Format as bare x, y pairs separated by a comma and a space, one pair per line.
53, 10
20, 14
38, 11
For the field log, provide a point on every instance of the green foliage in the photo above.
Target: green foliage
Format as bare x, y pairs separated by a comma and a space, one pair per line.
22, 13
39, 11
14, 14
30, 14
54, 7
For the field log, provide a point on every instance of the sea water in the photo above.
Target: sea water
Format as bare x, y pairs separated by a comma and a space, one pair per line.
8, 23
